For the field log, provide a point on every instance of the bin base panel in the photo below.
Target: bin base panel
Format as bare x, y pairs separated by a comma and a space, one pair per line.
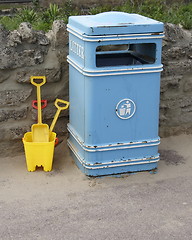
115, 167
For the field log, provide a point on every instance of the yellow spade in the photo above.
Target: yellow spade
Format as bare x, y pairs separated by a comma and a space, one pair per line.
59, 109
40, 131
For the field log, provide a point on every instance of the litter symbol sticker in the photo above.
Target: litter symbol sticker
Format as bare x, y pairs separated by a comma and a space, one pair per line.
125, 109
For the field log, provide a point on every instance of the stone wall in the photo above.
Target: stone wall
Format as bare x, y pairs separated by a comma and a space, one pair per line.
176, 82
25, 52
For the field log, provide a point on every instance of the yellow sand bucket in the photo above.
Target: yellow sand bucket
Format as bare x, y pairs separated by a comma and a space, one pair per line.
39, 153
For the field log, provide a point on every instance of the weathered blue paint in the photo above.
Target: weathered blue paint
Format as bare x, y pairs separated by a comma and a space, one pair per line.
114, 94
114, 23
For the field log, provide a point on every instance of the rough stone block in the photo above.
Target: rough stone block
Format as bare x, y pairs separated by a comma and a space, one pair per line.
18, 132
4, 75
22, 47
176, 102
11, 148
176, 52
14, 97
170, 82
42, 39
188, 83
13, 131
61, 126
56, 90
166, 131
3, 34
186, 109
172, 117
16, 114
27, 33
185, 117
185, 101
14, 39
177, 68
175, 33
58, 35
49, 112
52, 74
10, 58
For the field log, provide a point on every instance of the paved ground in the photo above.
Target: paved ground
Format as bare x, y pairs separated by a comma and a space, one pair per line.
65, 204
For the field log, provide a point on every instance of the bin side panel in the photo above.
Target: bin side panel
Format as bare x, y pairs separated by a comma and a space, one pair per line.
102, 95
76, 98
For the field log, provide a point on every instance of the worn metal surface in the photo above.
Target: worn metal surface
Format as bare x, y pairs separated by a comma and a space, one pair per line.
114, 92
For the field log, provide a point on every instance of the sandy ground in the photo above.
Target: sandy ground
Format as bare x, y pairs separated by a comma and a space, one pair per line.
65, 204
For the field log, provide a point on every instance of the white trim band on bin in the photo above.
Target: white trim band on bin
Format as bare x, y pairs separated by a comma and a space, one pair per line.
160, 67
77, 67
113, 37
111, 147
125, 163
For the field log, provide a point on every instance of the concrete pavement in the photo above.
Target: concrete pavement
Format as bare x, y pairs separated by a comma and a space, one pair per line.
65, 204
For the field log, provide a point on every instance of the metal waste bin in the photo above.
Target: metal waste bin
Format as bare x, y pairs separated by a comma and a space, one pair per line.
114, 86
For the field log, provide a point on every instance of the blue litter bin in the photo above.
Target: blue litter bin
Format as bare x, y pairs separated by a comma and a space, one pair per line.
114, 86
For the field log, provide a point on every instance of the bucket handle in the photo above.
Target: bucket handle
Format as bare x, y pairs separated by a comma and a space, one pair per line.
56, 141
44, 105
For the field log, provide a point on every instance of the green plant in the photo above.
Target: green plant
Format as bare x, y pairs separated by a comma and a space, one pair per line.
96, 10
187, 21
177, 13
10, 23
68, 8
40, 25
185, 15
35, 3
27, 15
127, 7
52, 13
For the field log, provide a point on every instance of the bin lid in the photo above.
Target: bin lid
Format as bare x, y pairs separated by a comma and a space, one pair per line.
110, 23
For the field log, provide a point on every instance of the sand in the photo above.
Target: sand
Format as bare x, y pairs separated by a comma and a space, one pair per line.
66, 204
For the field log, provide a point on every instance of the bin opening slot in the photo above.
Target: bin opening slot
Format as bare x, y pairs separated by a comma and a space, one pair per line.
125, 54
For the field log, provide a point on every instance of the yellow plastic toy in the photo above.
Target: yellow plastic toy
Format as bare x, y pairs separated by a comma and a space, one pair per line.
59, 109
39, 153
39, 150
40, 131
